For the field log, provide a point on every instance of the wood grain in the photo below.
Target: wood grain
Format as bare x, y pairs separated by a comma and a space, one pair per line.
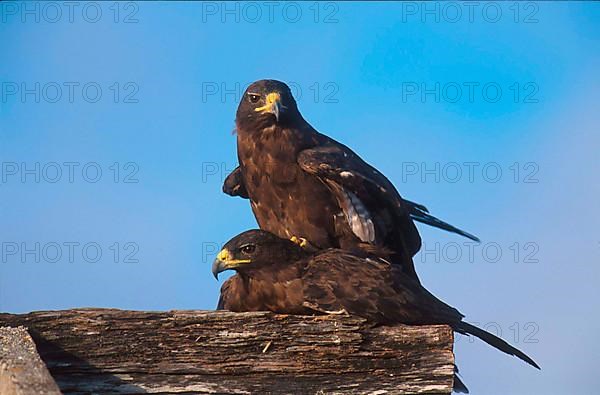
116, 352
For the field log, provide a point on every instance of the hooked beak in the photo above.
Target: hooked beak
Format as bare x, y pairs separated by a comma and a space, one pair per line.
224, 262
273, 105
218, 266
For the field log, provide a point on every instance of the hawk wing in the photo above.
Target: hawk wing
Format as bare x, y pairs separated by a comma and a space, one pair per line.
372, 206
337, 282
234, 184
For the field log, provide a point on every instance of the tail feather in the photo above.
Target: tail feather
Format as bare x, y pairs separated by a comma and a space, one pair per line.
418, 206
459, 386
494, 341
419, 213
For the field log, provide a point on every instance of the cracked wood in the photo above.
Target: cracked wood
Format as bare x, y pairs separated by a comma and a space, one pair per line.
117, 351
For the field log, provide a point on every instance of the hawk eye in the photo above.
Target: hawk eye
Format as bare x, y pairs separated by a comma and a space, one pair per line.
248, 249
254, 98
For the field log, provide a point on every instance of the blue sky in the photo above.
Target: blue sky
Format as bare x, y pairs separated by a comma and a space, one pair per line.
489, 119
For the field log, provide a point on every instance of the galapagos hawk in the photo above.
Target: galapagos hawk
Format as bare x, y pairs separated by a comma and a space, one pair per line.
277, 275
307, 186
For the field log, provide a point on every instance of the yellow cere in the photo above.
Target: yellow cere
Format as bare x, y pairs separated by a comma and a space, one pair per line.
223, 255
272, 98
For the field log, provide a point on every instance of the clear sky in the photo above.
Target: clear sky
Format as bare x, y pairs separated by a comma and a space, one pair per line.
115, 136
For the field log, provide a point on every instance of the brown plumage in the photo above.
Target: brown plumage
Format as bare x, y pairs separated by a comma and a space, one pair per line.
302, 183
274, 274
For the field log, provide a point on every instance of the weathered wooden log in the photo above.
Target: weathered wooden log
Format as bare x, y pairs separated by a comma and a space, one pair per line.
116, 352
22, 372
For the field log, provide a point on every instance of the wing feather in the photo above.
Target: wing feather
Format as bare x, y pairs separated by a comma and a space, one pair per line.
371, 288
373, 208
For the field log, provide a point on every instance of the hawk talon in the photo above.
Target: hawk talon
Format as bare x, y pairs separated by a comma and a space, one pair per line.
301, 241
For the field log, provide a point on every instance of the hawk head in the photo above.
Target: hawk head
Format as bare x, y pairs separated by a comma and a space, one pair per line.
266, 103
256, 249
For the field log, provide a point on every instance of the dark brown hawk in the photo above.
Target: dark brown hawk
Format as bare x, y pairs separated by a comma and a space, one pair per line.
277, 275
306, 185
